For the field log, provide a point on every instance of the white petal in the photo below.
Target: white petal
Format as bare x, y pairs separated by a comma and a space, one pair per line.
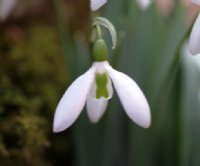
144, 4
6, 6
73, 101
96, 108
131, 97
96, 4
194, 41
196, 1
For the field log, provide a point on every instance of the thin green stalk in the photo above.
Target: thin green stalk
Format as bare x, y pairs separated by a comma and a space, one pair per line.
66, 39
99, 34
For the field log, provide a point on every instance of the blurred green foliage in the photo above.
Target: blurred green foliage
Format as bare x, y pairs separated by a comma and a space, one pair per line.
32, 73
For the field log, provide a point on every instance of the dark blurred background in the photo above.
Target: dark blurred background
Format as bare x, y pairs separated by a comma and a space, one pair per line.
45, 45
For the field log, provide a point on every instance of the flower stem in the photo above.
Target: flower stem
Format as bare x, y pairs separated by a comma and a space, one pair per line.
99, 34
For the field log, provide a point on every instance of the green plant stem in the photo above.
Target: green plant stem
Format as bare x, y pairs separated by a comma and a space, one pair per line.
66, 39
99, 34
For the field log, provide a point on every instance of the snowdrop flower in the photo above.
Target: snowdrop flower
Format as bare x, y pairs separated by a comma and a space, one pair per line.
196, 1
6, 6
96, 4
95, 88
194, 40
144, 4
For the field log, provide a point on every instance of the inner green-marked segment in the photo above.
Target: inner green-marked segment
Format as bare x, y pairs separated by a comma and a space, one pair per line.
101, 84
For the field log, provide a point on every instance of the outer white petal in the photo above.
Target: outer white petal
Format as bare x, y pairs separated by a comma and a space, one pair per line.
73, 101
131, 97
96, 108
96, 4
144, 4
6, 6
194, 40
196, 1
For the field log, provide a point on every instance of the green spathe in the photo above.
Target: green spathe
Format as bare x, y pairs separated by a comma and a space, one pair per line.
100, 51
101, 84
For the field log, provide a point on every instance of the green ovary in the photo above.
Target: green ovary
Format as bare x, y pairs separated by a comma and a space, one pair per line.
101, 83
100, 51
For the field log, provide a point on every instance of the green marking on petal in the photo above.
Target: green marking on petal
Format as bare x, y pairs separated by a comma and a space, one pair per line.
101, 83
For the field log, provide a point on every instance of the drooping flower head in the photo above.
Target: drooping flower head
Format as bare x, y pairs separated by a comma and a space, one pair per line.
95, 88
194, 40
144, 4
96, 4
196, 1
6, 7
